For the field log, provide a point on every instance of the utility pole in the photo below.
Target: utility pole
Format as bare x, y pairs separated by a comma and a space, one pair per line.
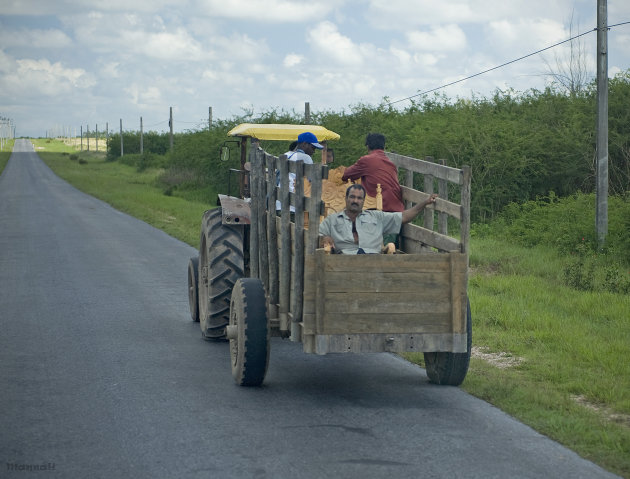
209, 118
307, 113
601, 214
121, 139
170, 123
96, 137
81, 137
141, 137
87, 134
107, 137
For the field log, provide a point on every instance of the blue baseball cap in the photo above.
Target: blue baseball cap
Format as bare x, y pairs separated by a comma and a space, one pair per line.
308, 137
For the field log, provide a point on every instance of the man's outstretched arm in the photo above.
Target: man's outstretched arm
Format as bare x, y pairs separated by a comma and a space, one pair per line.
415, 210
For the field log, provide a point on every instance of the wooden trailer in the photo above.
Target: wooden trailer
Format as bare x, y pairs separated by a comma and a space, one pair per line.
260, 272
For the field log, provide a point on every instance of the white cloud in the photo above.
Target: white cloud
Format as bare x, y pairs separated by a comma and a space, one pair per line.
268, 11
51, 38
48, 7
40, 81
292, 60
327, 42
144, 96
447, 38
525, 34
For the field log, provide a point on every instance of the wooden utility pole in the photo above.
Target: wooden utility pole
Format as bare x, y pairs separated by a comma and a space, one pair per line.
307, 113
96, 137
209, 118
601, 214
87, 135
107, 137
121, 139
141, 137
170, 123
81, 137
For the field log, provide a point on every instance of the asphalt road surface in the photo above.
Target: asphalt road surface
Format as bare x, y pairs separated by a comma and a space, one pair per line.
103, 374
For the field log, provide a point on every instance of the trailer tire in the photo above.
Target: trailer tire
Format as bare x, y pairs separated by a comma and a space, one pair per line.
249, 346
193, 288
221, 265
450, 368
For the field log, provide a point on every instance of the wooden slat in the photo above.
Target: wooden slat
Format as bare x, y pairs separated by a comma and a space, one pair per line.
409, 186
263, 244
432, 238
315, 206
443, 194
465, 222
363, 264
423, 283
338, 323
426, 168
320, 289
361, 343
254, 249
386, 303
272, 230
285, 243
441, 205
297, 286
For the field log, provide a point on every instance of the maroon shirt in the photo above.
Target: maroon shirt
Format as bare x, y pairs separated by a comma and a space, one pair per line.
374, 168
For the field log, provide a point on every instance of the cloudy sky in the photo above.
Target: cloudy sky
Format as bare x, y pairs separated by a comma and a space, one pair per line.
67, 63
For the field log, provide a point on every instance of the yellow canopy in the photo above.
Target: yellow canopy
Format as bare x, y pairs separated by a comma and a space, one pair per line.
281, 132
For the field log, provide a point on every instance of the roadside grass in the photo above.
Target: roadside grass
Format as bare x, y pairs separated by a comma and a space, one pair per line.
126, 189
554, 357
5, 154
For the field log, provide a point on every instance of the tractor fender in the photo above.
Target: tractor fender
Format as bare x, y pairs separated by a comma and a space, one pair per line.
236, 211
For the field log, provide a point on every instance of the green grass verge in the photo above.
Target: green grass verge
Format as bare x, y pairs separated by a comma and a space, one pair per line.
126, 189
553, 357
5, 154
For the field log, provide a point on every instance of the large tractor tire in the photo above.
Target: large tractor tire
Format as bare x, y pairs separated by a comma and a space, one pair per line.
193, 288
249, 341
450, 368
220, 266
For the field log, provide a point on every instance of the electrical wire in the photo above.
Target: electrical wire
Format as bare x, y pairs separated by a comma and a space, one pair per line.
503, 64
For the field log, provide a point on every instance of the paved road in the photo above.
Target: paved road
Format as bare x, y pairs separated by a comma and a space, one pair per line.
102, 373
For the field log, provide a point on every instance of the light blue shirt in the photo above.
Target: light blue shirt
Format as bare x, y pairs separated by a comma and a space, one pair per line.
371, 226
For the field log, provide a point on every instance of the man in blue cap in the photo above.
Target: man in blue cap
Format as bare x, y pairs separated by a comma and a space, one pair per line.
306, 145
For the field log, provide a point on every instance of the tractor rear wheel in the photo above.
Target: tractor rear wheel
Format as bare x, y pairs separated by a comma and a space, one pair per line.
221, 264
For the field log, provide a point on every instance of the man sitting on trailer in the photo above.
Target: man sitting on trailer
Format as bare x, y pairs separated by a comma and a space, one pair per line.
355, 231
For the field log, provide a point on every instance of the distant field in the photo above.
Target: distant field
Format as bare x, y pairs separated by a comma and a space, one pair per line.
72, 143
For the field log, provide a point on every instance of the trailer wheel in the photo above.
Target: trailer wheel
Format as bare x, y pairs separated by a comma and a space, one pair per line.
221, 265
450, 368
249, 338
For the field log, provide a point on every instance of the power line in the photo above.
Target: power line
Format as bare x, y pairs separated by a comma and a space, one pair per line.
503, 64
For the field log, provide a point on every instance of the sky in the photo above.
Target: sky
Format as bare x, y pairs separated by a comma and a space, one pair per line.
67, 64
